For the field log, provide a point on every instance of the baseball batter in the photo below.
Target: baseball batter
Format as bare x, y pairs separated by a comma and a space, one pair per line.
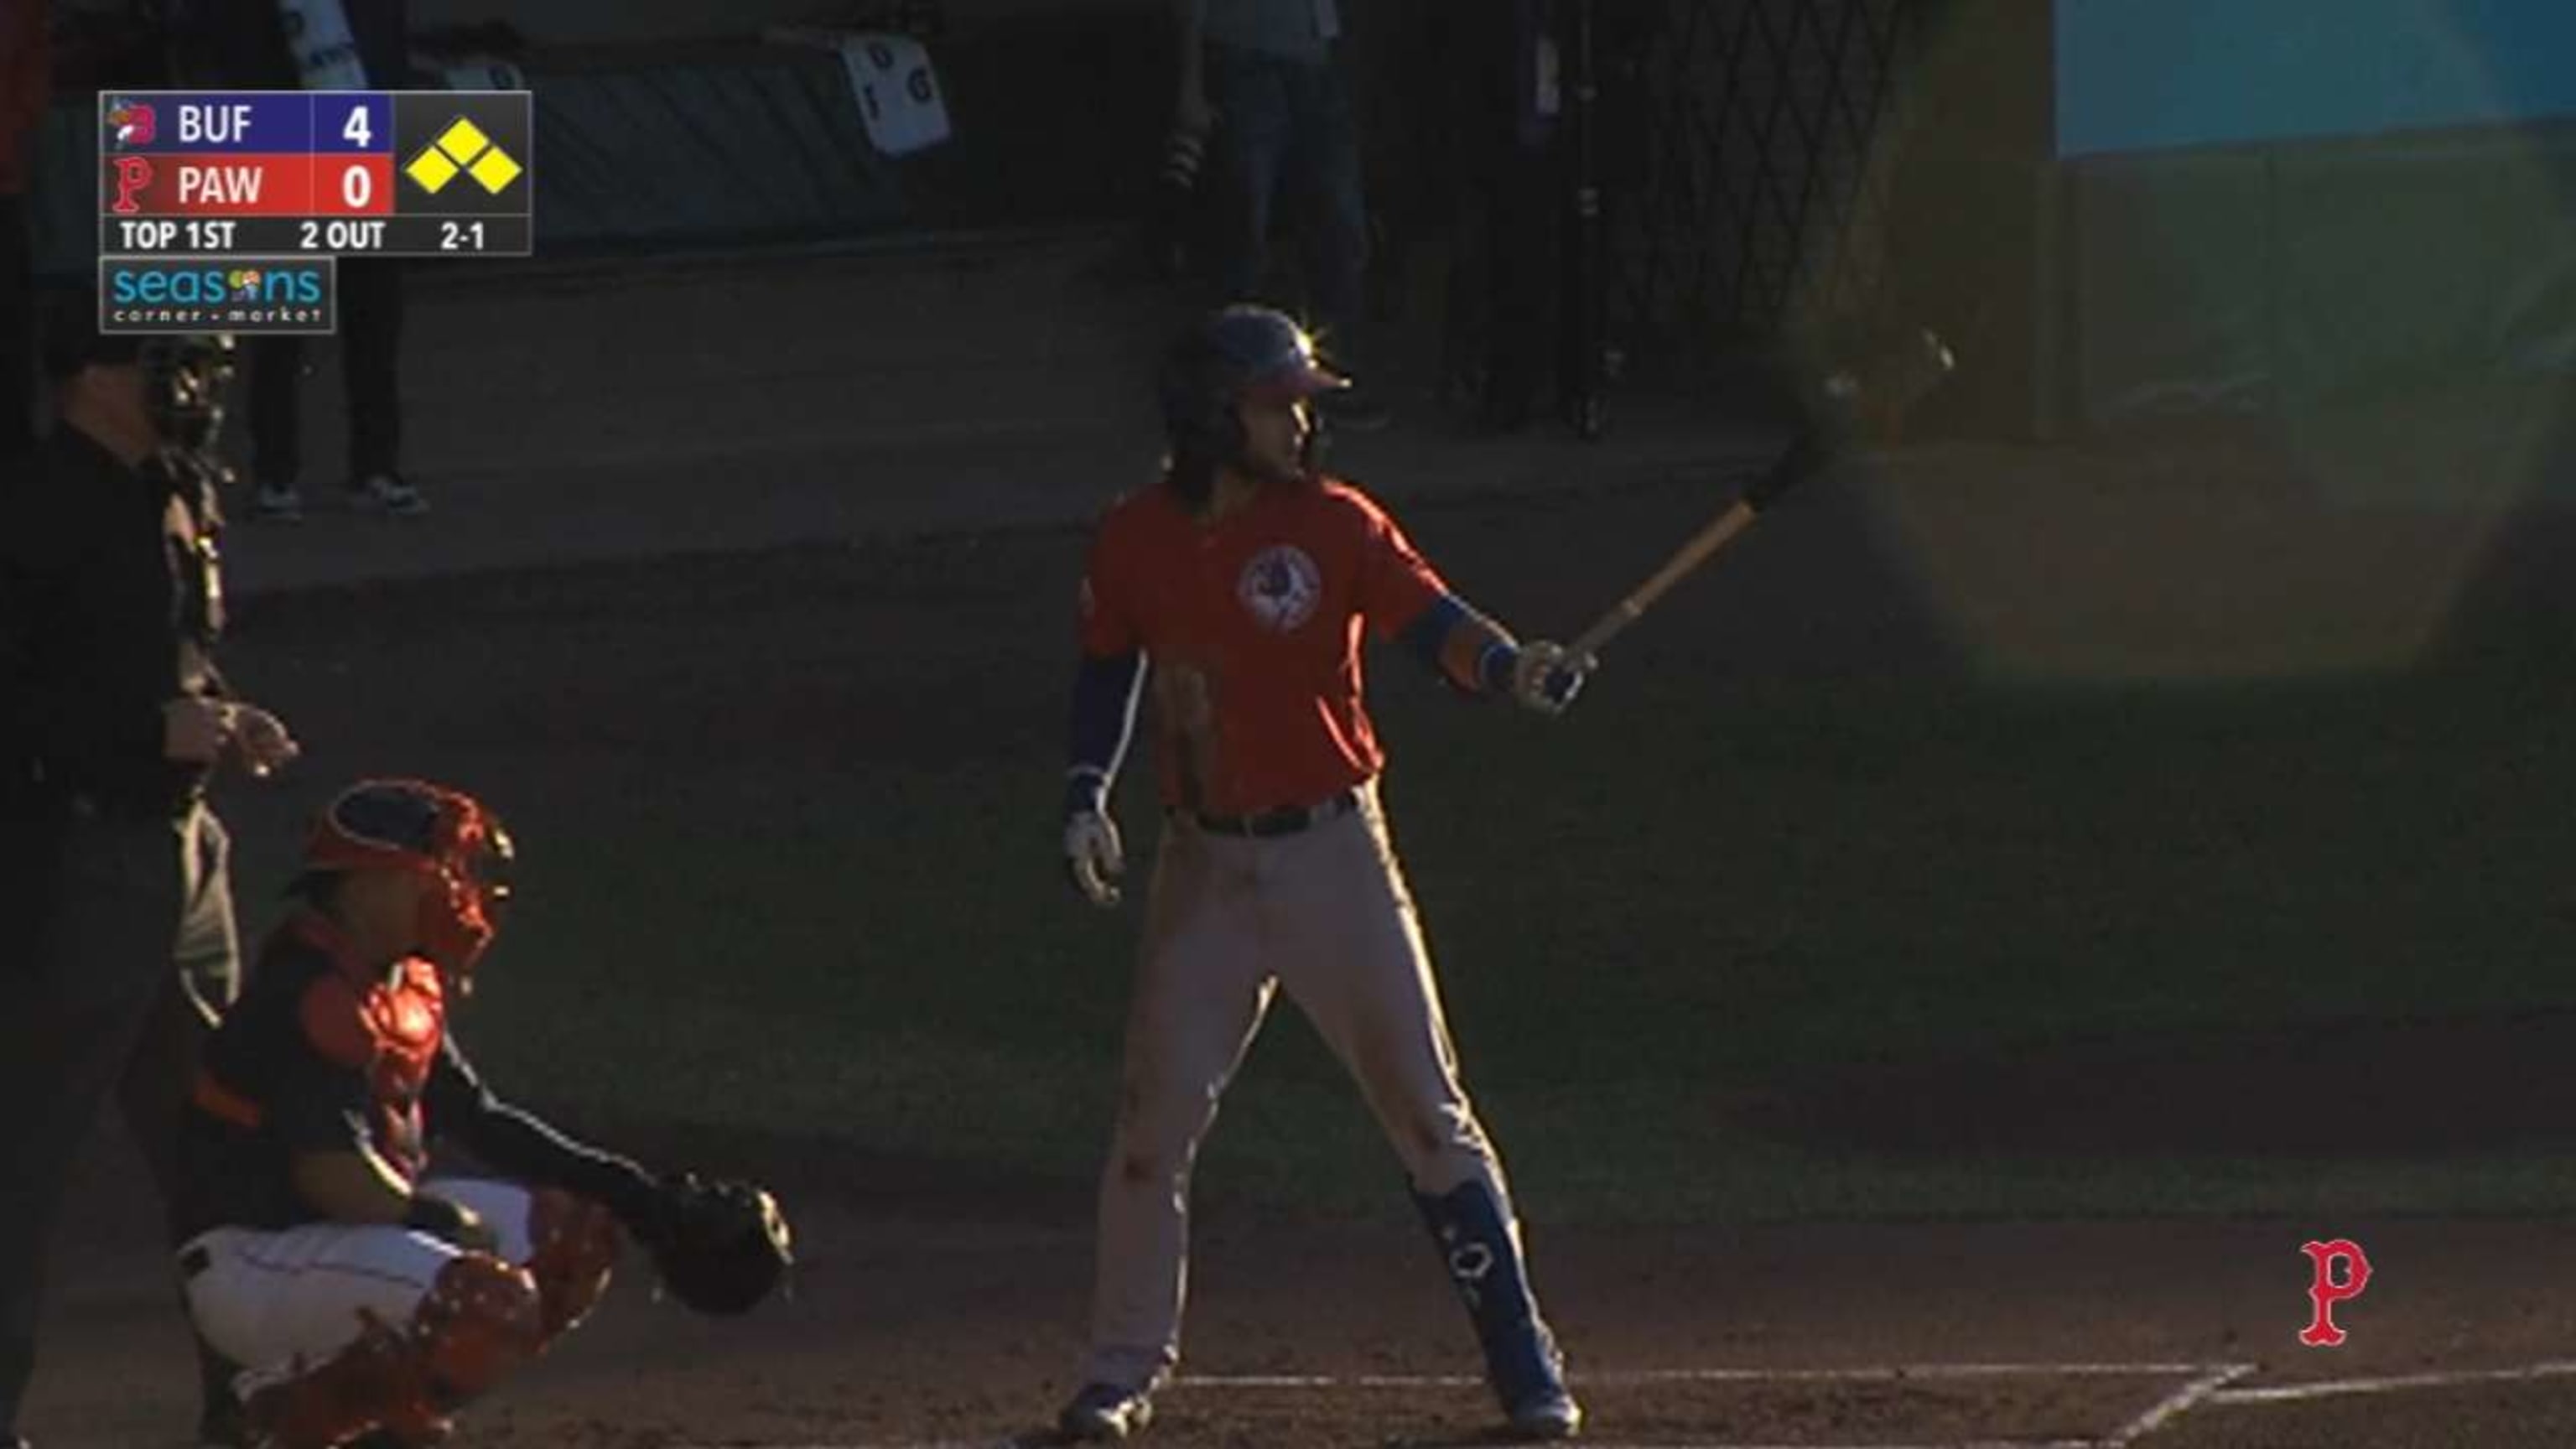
1236, 592
361, 1296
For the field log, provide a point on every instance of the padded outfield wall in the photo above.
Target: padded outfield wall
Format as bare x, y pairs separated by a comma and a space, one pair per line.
2263, 205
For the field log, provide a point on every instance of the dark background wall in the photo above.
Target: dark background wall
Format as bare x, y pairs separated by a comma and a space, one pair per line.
1779, 176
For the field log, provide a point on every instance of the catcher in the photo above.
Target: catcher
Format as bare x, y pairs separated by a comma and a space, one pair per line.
363, 1299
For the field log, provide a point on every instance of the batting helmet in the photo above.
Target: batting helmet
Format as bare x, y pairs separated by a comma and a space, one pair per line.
1225, 357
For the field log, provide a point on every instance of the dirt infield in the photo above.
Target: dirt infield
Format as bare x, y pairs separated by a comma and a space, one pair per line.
912, 1331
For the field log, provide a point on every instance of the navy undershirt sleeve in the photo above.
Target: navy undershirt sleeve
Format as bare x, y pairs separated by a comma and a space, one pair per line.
523, 1146
1105, 692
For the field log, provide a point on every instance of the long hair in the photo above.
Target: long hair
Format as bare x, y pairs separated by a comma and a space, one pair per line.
1191, 475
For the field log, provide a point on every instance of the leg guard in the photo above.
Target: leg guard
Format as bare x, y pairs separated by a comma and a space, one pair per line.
376, 1377
1481, 1250
576, 1245
479, 1321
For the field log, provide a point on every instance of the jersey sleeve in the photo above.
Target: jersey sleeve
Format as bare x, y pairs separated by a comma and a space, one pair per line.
1108, 623
1395, 582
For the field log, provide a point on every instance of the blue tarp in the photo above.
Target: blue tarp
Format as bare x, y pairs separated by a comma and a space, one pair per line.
2138, 75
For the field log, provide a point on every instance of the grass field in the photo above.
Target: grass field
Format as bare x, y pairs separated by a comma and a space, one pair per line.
789, 866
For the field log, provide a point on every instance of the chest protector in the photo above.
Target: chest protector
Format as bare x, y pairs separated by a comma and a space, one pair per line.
391, 1028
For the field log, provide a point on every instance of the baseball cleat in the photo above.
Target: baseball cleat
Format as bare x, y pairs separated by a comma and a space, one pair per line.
1551, 1415
1106, 1414
269, 503
389, 493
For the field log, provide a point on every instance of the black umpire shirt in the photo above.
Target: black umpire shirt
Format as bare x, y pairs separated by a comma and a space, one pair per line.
111, 597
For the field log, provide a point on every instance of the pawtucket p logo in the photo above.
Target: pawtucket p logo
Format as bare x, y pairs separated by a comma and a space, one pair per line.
133, 178
2325, 1290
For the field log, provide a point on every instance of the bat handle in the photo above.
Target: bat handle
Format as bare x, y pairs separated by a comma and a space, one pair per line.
1606, 628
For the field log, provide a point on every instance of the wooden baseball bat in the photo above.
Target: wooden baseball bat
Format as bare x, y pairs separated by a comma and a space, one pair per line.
1890, 388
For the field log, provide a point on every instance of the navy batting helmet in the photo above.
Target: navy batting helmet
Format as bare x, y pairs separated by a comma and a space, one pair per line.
1225, 357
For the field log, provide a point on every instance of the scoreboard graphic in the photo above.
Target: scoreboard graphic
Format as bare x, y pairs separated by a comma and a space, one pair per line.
238, 202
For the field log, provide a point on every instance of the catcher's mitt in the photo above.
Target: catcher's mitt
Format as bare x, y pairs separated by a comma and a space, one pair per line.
720, 1245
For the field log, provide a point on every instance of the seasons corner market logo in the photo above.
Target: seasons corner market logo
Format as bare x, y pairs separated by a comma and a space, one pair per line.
171, 294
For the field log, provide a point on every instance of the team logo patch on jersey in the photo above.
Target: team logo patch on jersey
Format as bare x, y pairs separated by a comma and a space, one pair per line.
1281, 587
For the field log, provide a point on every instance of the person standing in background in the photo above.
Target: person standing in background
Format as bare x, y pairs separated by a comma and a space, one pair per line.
1268, 76
249, 45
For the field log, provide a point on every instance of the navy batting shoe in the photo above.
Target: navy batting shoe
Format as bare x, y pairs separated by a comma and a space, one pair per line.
1551, 1414
1106, 1414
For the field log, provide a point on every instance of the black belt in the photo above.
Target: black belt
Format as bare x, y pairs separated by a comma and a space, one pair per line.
193, 1260
1286, 820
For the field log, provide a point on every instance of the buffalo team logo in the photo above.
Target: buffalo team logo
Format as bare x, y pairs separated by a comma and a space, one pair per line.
130, 123
1280, 586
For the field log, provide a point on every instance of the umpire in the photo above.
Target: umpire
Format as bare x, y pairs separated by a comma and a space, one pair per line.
112, 720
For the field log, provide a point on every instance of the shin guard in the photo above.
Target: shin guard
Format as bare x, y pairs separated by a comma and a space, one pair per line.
576, 1245
373, 1381
1480, 1248
478, 1321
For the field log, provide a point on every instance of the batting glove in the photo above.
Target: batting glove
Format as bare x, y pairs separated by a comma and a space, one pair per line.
1546, 678
1093, 856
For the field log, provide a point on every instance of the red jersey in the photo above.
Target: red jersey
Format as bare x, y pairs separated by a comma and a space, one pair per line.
1252, 626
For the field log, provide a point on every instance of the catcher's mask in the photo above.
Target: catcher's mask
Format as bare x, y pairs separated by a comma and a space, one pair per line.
188, 377
443, 835
185, 376
1241, 351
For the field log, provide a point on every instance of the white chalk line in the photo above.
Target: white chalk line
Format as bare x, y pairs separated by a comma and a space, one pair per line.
2210, 1386
1589, 1441
1860, 1372
2392, 1384
2176, 1404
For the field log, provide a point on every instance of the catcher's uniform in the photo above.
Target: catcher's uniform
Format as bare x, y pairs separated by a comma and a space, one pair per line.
328, 1053
328, 1086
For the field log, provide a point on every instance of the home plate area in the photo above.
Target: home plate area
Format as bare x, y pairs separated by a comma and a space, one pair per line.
1916, 1406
